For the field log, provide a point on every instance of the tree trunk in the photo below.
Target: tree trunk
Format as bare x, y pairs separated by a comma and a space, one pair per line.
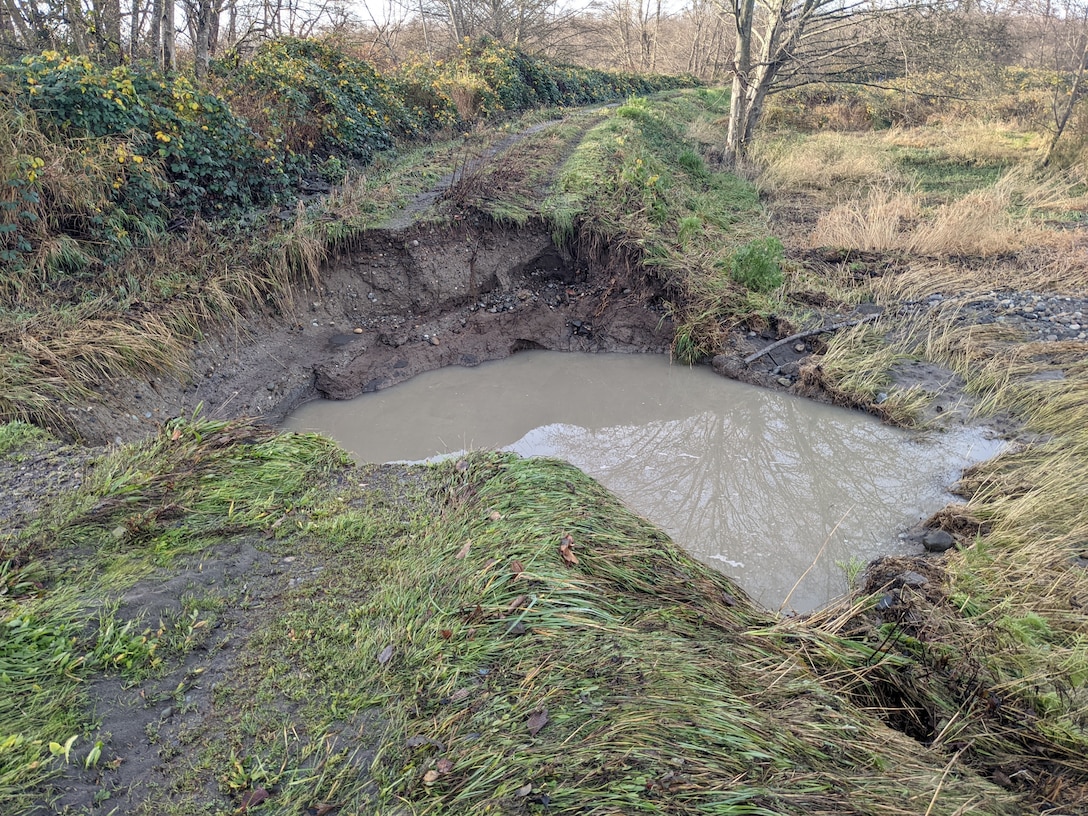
735, 140
169, 49
78, 26
201, 39
1064, 111
155, 35
107, 29
213, 28
134, 24
12, 22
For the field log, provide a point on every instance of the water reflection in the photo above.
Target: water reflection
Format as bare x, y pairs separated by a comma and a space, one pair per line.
754, 482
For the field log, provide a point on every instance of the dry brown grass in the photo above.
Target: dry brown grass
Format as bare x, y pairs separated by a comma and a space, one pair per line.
972, 141
980, 224
823, 162
875, 223
1064, 191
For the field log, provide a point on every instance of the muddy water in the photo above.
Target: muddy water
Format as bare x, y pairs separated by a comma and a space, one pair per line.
764, 486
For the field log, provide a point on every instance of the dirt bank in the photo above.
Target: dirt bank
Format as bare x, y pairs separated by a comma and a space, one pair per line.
394, 304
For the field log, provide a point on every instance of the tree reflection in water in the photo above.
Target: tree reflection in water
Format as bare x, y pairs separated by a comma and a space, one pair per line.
751, 481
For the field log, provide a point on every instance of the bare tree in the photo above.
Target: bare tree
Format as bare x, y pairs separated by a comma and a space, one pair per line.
707, 39
533, 24
787, 43
1066, 28
384, 25
634, 27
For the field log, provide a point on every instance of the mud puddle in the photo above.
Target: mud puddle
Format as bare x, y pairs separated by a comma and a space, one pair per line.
783, 494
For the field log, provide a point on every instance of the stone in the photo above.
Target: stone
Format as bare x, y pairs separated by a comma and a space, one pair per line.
889, 600
357, 330
912, 579
938, 541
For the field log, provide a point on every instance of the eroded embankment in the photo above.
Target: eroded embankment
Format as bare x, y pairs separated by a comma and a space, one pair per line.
395, 303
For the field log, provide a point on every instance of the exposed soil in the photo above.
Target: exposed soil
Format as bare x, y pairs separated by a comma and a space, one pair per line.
152, 729
400, 302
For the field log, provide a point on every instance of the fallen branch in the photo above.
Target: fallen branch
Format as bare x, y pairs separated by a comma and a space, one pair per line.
802, 335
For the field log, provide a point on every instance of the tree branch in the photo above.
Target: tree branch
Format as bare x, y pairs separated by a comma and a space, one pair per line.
751, 358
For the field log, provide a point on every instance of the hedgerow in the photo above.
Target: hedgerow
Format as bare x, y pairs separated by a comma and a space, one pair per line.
206, 154
95, 160
307, 99
509, 79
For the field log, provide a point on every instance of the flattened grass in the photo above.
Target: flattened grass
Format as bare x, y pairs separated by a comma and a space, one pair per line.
538, 647
493, 635
196, 484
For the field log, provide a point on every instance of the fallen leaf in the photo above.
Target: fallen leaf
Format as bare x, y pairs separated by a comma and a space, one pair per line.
517, 567
537, 720
461, 553
566, 549
446, 634
386, 654
176, 435
320, 809
460, 695
462, 465
253, 798
495, 515
516, 604
430, 777
524, 790
444, 765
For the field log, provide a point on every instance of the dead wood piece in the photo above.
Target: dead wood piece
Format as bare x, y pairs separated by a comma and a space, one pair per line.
802, 335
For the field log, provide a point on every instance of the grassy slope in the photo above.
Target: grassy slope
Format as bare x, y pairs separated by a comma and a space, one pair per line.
1001, 647
507, 677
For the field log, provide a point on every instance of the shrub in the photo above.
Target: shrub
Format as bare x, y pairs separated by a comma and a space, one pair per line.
56, 191
204, 152
757, 265
508, 79
307, 98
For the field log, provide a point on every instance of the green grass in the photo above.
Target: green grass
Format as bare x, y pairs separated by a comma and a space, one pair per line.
196, 484
501, 635
638, 185
17, 439
459, 622
996, 644
945, 178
